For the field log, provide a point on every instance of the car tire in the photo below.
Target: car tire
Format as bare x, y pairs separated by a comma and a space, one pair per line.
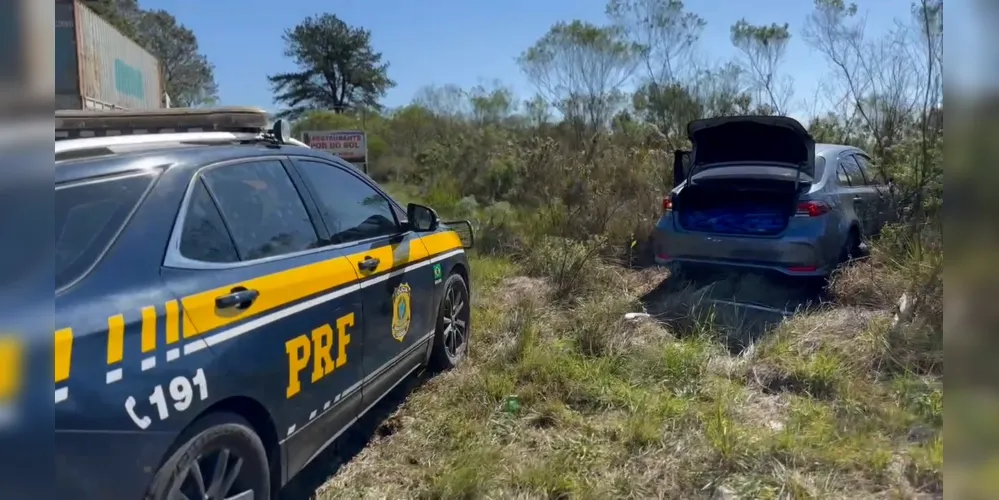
450, 344
224, 438
675, 271
851, 248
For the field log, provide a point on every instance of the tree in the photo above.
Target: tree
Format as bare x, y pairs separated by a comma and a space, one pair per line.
122, 14
321, 119
491, 105
537, 111
721, 92
882, 80
892, 85
445, 101
188, 77
668, 107
874, 75
579, 68
833, 128
665, 35
338, 68
662, 31
763, 49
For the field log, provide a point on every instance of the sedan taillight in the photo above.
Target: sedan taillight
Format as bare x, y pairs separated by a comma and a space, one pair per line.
811, 209
668, 203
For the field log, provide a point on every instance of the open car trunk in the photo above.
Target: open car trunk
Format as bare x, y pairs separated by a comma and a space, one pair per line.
745, 174
758, 207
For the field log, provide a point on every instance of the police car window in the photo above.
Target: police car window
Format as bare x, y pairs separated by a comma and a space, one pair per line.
351, 209
88, 217
205, 237
400, 214
262, 208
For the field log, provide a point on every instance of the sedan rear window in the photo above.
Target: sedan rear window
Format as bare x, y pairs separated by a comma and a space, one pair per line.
88, 217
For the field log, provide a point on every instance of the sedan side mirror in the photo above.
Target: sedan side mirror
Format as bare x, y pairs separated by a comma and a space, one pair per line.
422, 219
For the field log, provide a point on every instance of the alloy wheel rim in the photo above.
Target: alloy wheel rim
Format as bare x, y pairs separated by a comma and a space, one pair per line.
455, 321
216, 476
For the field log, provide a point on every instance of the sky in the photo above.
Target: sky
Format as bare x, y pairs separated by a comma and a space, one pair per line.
438, 42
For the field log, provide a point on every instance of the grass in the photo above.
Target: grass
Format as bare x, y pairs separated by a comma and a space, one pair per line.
842, 401
615, 409
837, 402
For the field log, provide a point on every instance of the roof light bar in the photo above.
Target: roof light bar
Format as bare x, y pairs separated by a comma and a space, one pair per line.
72, 124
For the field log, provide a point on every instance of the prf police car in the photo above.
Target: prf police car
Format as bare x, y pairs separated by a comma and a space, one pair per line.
228, 303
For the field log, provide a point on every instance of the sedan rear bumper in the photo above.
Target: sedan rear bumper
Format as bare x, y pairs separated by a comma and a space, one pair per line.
803, 271
793, 256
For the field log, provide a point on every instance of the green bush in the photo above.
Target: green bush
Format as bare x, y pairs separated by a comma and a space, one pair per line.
573, 267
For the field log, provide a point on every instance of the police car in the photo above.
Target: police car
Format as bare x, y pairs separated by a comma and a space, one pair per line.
228, 302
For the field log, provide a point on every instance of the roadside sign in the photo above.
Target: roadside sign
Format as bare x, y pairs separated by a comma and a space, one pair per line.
350, 145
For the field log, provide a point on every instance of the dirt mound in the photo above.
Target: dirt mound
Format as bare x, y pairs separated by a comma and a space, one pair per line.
741, 305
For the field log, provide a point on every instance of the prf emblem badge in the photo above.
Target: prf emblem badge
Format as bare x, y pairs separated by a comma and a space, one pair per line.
400, 312
437, 273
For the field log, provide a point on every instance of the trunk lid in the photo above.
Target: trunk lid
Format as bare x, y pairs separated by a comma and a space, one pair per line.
763, 140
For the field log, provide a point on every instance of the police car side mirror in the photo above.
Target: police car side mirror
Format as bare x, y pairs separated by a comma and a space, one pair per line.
422, 219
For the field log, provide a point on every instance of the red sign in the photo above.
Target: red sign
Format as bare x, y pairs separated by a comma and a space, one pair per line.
351, 145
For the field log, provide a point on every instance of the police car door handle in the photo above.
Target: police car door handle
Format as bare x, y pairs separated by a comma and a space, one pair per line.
368, 264
238, 298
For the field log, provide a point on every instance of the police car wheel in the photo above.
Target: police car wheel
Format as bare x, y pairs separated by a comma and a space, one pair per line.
451, 337
222, 458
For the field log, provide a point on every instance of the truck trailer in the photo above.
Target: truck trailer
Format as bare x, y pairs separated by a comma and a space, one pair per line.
97, 67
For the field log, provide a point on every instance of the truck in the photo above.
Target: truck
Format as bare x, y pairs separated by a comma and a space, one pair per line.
97, 67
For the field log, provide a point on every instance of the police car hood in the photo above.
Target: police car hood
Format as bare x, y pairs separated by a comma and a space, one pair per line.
765, 140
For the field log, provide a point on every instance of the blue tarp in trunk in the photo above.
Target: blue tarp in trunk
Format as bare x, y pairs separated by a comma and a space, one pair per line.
735, 220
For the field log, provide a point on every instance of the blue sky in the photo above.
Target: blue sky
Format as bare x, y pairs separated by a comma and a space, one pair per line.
465, 42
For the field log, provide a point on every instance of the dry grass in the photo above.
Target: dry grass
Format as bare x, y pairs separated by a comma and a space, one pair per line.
619, 409
853, 286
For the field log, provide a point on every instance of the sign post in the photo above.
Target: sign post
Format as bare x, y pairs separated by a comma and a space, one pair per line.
349, 145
